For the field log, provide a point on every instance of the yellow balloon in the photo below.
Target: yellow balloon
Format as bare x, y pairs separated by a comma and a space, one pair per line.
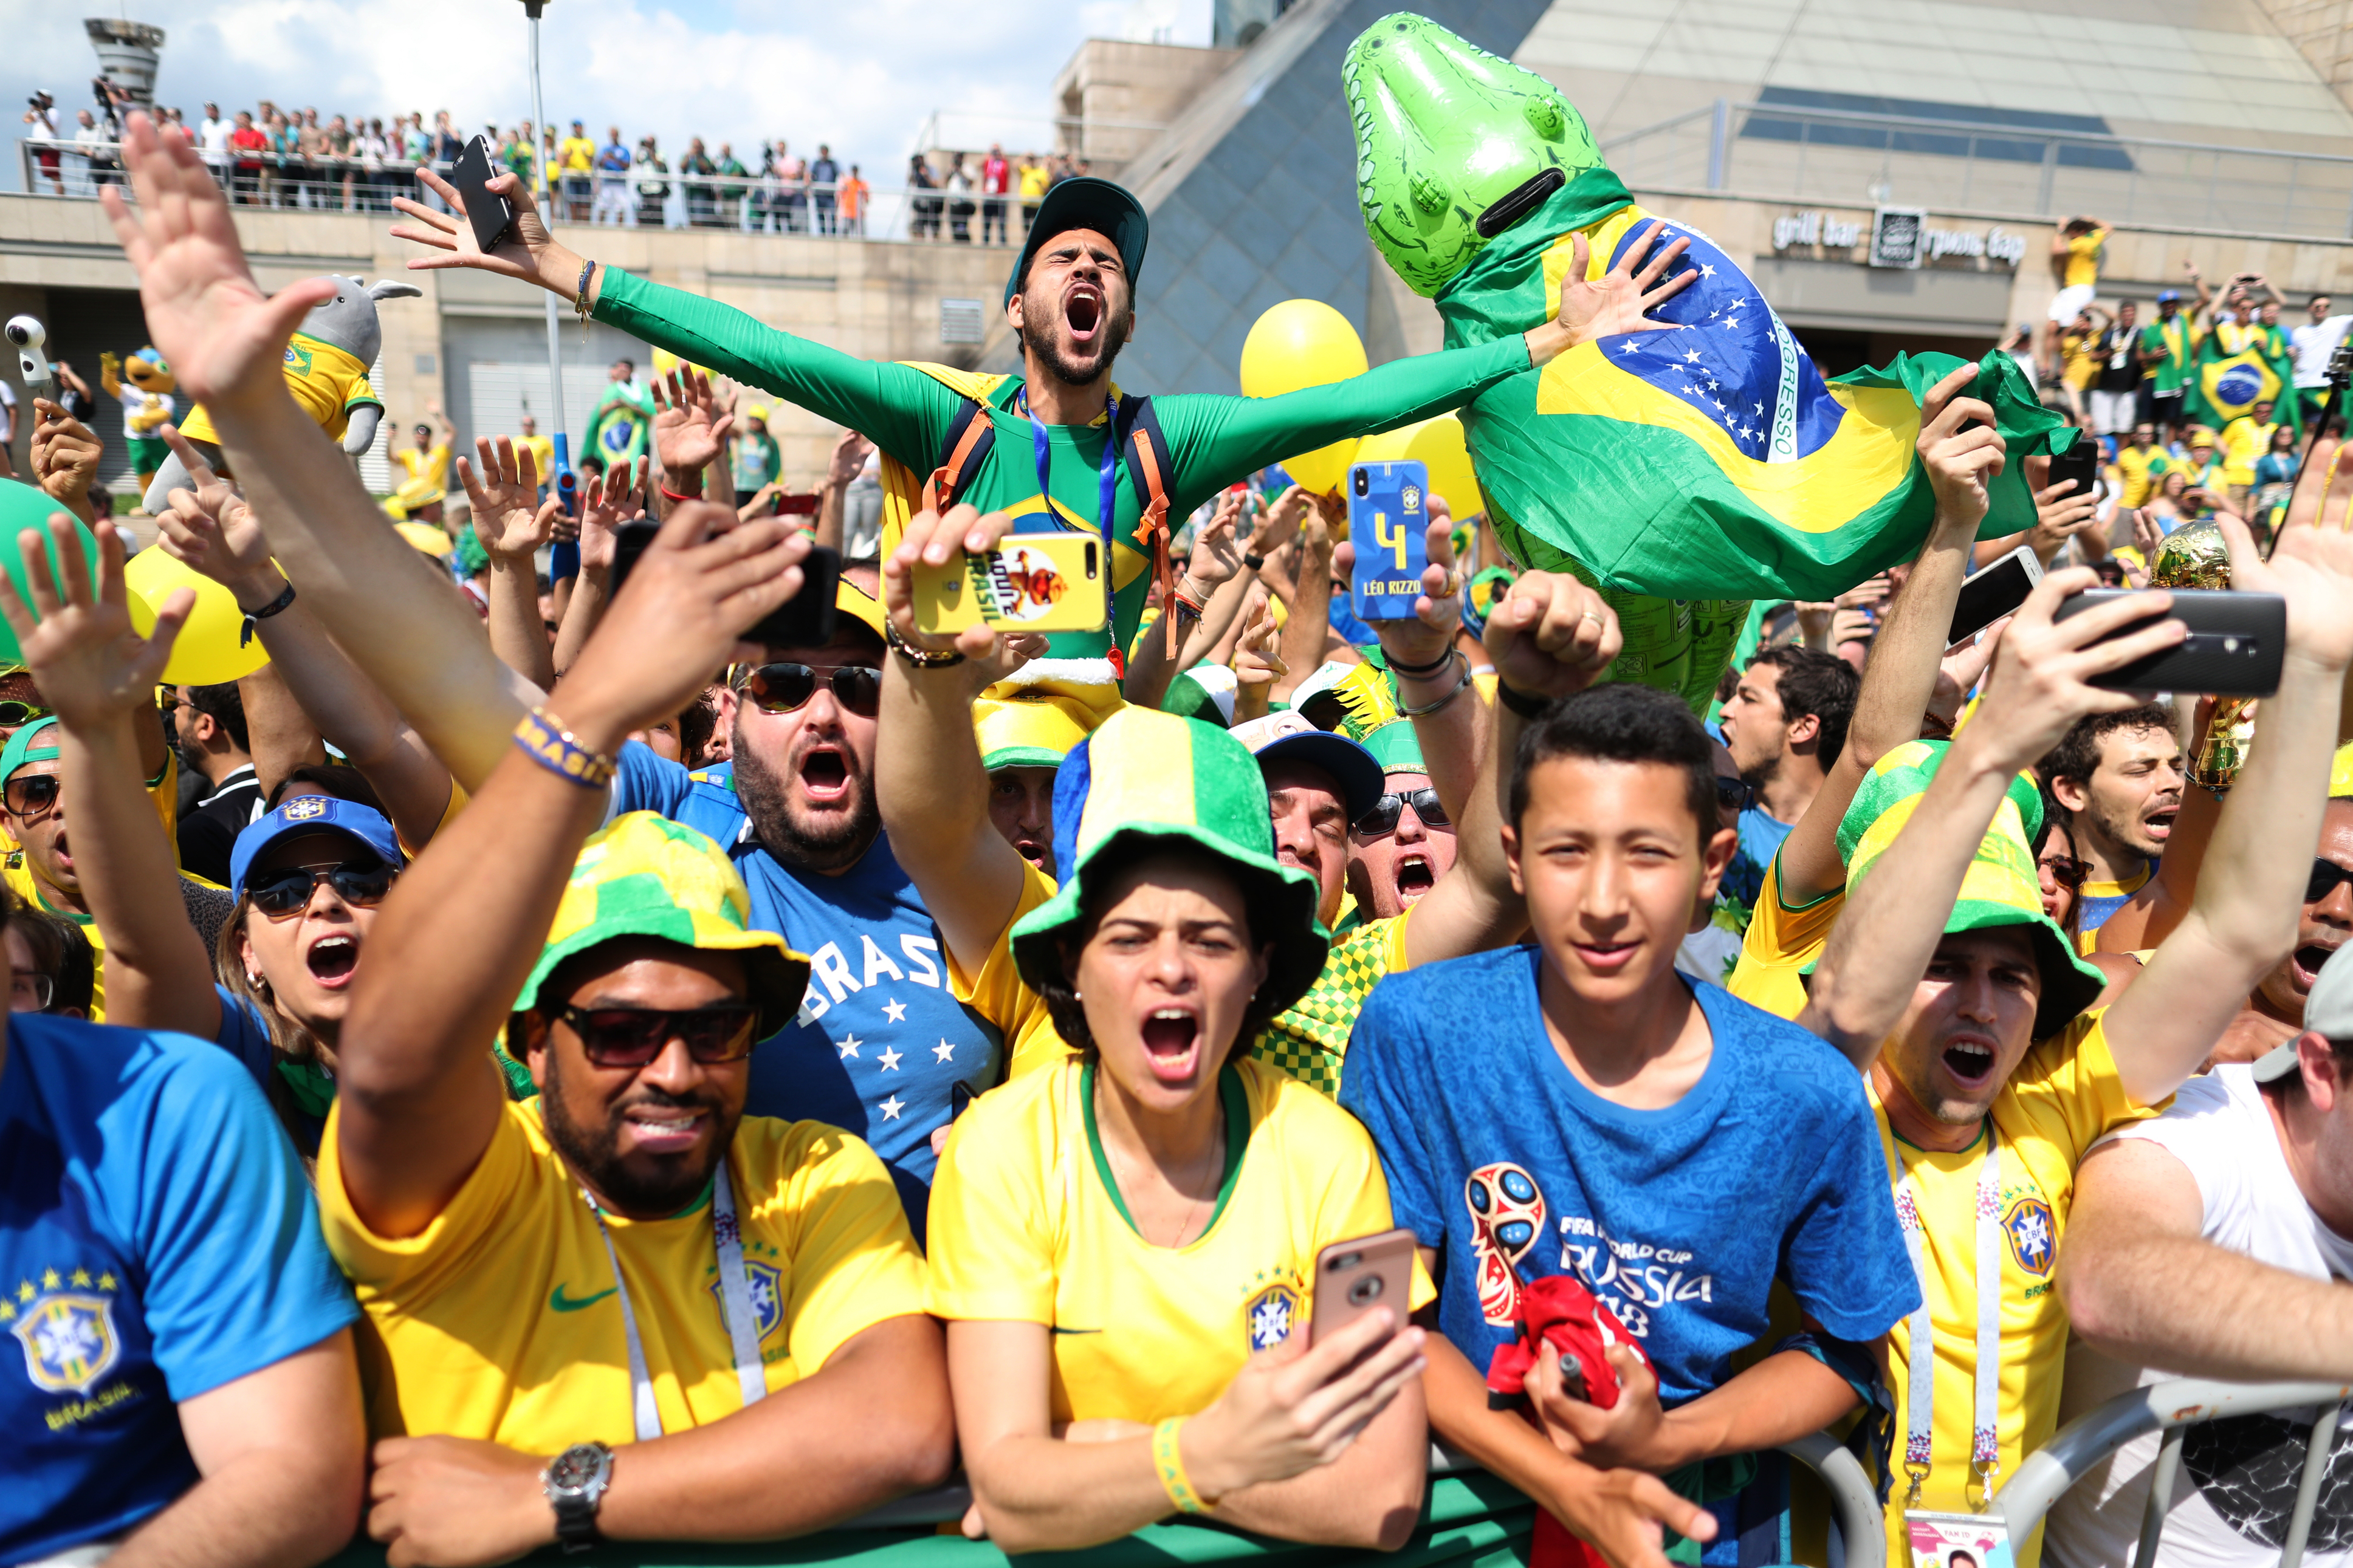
1437, 444
208, 653
1300, 343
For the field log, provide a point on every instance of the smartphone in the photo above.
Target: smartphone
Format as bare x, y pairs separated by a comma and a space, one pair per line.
490, 213
1390, 527
2234, 647
1032, 582
1992, 593
2080, 462
804, 621
1352, 1278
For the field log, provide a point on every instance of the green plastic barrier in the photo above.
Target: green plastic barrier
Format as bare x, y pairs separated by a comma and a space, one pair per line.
1469, 1520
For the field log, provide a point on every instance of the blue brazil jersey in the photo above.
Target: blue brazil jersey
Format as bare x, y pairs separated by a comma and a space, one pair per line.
882, 1044
157, 1240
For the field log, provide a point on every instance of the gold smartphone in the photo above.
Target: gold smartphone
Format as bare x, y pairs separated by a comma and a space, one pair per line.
1353, 1278
1032, 582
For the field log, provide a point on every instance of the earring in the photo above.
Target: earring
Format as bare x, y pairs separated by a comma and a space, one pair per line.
1078, 995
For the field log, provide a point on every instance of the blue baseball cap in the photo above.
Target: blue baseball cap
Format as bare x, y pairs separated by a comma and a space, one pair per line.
1286, 736
2169, 295
312, 814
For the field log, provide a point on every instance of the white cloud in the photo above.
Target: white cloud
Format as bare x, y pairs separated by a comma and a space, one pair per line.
864, 78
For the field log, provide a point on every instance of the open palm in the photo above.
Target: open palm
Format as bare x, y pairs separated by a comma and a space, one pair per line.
88, 662
224, 338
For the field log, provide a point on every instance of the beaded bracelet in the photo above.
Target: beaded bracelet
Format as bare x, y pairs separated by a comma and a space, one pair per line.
1169, 1465
556, 749
580, 295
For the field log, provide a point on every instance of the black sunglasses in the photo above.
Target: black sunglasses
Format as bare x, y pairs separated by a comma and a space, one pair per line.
1734, 794
286, 892
1385, 813
783, 687
2067, 871
632, 1037
29, 795
2327, 877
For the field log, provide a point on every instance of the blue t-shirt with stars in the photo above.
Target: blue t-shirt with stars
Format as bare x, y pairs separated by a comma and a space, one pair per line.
881, 1048
157, 1240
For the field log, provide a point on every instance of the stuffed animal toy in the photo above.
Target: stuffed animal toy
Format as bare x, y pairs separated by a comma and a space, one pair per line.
1684, 470
326, 368
146, 402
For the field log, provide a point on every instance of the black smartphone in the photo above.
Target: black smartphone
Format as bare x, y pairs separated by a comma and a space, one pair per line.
1989, 595
490, 213
2234, 647
804, 621
2080, 462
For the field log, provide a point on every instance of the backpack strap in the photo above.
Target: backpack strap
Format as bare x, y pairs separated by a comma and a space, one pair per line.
1151, 468
961, 452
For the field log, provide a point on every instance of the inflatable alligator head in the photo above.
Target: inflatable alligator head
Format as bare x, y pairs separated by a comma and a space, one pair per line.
1453, 145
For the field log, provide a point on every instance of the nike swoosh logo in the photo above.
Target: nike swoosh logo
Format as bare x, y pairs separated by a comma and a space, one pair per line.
1059, 1330
558, 1302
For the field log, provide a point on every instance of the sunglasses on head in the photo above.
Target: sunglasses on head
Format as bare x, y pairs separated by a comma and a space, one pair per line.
2066, 870
2327, 875
286, 892
783, 687
633, 1036
29, 795
1734, 794
1386, 811
13, 714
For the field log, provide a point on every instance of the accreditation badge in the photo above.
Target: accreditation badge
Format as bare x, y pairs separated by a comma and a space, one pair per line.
1956, 1540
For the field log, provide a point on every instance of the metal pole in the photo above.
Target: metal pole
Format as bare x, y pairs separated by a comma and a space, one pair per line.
547, 215
1716, 127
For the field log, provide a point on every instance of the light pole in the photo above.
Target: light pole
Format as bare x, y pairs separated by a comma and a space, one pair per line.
532, 9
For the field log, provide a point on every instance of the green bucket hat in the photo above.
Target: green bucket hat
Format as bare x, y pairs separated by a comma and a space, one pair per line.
1146, 779
1394, 746
33, 742
2000, 887
645, 875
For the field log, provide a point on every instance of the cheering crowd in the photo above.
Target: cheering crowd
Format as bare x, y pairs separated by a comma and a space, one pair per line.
805, 1055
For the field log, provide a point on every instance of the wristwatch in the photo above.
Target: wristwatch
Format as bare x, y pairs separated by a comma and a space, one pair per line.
575, 1483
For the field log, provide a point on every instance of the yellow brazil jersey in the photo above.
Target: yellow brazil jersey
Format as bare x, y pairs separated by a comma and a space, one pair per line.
2243, 442
2137, 472
327, 381
2064, 1095
542, 454
1027, 1226
500, 1319
432, 464
1782, 941
1035, 178
2083, 258
578, 153
998, 994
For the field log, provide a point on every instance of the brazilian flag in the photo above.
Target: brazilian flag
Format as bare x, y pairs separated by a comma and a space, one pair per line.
2224, 386
1710, 465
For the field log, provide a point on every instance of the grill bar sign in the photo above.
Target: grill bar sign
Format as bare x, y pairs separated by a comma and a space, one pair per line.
1899, 237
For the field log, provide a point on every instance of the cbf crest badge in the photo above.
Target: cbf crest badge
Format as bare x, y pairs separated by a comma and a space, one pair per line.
70, 1342
2034, 1241
767, 1288
303, 807
1271, 1313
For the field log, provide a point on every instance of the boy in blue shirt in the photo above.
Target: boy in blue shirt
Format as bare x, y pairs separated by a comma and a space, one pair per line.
1577, 1108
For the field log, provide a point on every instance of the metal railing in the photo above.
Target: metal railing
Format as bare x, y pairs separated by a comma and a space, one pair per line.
750, 204
2172, 1408
1783, 152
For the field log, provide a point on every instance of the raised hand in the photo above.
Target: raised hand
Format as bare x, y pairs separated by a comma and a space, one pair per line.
224, 338
2311, 567
526, 250
613, 498
213, 531
1961, 462
65, 457
1216, 557
1258, 664
1550, 636
849, 458
2060, 513
689, 431
509, 517
2039, 683
1281, 523
1437, 613
1619, 300
934, 540
88, 661
1293, 1408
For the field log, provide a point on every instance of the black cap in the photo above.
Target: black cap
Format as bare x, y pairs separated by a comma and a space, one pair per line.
1085, 202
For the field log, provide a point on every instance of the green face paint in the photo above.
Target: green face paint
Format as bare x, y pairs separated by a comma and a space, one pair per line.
1453, 145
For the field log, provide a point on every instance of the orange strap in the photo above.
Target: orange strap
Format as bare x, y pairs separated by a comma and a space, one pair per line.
1152, 530
939, 490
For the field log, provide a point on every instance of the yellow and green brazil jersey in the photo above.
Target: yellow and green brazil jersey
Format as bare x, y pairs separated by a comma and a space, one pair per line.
1027, 1226
325, 380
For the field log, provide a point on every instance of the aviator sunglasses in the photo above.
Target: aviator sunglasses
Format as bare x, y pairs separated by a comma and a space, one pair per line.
1386, 811
782, 688
286, 892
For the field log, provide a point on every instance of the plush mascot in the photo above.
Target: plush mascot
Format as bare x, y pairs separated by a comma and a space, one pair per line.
326, 369
144, 387
1684, 472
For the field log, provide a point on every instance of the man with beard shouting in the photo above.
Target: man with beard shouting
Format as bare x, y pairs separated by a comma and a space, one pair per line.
1052, 460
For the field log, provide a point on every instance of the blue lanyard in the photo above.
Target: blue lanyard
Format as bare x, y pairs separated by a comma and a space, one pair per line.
1107, 501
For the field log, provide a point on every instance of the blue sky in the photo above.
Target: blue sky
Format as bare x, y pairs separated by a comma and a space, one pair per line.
863, 76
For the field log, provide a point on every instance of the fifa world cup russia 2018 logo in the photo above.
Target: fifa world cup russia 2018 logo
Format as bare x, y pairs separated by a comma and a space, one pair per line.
1507, 1213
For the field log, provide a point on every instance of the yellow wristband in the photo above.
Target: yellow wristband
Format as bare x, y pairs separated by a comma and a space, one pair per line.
1170, 1466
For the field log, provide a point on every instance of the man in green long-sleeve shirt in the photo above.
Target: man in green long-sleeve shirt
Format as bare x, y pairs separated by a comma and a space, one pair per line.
1070, 299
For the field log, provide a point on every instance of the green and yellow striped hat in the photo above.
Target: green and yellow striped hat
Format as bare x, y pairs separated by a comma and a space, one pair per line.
2000, 887
646, 876
1146, 779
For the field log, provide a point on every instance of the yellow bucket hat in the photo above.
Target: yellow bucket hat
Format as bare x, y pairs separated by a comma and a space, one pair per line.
428, 538
1034, 718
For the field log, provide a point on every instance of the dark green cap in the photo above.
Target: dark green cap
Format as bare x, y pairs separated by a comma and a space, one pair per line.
1085, 202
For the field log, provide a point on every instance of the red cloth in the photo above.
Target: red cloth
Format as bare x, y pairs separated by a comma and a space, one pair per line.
1560, 1311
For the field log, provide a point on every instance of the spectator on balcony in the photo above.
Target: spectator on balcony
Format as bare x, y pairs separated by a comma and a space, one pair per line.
653, 186
732, 194
577, 158
2245, 1186
248, 145
516, 154
613, 179
855, 194
825, 175
309, 165
2314, 341
702, 197
791, 191
754, 456
1035, 178
97, 149
958, 186
43, 119
342, 152
923, 212
212, 139
996, 179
